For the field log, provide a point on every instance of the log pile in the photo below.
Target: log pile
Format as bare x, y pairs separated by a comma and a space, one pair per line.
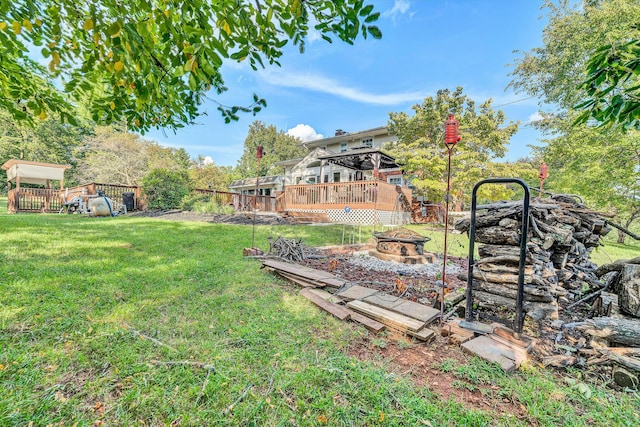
562, 233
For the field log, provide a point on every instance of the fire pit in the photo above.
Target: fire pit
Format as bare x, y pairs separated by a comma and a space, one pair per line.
402, 245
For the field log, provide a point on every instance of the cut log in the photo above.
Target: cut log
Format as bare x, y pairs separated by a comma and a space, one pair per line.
502, 269
506, 278
618, 331
497, 236
616, 266
629, 290
536, 310
508, 290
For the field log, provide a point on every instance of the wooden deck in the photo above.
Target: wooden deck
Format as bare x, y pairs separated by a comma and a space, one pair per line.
376, 195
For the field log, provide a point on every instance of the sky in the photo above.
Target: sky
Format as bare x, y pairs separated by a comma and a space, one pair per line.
426, 45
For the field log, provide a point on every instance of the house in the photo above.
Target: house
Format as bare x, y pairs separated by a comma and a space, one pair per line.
320, 166
349, 178
266, 185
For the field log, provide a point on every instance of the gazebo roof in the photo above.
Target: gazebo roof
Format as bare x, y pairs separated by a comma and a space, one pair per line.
34, 172
360, 159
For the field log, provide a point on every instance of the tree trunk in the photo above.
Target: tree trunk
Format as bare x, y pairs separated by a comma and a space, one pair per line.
618, 331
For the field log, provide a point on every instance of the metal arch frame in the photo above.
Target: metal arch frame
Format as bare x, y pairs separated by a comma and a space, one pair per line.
523, 248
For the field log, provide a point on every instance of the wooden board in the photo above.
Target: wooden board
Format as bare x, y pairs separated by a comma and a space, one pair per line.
508, 357
333, 282
326, 295
357, 292
338, 311
370, 324
405, 307
296, 279
453, 330
298, 270
425, 334
387, 317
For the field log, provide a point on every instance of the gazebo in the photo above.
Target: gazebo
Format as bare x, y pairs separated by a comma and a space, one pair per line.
26, 199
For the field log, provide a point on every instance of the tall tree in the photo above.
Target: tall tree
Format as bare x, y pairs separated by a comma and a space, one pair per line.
277, 146
555, 72
208, 175
49, 141
114, 156
420, 147
151, 62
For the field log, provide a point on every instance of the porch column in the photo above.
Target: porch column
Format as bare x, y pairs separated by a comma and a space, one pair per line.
376, 164
323, 163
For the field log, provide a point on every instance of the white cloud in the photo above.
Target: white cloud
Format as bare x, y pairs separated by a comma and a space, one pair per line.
304, 133
535, 117
400, 7
323, 84
207, 160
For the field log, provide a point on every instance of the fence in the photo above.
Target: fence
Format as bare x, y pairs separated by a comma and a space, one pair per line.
241, 202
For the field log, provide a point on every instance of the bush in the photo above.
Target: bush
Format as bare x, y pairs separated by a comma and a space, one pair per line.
204, 204
165, 189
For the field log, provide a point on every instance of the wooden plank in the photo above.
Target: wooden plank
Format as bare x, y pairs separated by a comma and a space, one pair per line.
370, 324
453, 330
425, 334
298, 270
333, 282
387, 317
509, 357
405, 307
338, 311
357, 292
295, 279
326, 295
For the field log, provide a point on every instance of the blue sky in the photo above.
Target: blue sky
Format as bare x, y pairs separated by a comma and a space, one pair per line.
427, 45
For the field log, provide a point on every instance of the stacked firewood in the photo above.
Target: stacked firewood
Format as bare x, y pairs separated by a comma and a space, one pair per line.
562, 233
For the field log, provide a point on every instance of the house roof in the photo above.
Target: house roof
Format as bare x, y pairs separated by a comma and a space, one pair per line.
263, 181
348, 136
12, 162
360, 159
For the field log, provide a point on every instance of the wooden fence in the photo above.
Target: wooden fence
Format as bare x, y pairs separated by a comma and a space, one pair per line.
27, 199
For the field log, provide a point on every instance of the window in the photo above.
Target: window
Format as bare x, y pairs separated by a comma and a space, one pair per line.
336, 177
366, 142
298, 179
326, 178
311, 180
343, 147
395, 180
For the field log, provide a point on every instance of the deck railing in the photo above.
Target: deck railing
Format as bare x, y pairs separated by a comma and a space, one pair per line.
356, 194
34, 200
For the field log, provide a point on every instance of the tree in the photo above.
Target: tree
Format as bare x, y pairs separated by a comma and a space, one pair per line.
208, 175
612, 85
421, 151
555, 72
113, 156
277, 146
599, 164
165, 189
152, 62
48, 141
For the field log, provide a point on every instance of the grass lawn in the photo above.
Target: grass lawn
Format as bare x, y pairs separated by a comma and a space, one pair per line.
134, 321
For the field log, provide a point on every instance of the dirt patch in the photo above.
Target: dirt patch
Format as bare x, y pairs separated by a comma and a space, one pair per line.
246, 218
432, 365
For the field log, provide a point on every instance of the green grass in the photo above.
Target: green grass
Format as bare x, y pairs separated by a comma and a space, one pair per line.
77, 292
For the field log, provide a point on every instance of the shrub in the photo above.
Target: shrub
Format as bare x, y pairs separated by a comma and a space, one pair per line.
165, 189
204, 204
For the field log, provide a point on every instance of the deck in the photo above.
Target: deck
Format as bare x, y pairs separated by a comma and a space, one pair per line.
361, 202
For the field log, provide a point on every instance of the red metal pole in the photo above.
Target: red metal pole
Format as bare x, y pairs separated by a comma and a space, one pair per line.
446, 229
255, 201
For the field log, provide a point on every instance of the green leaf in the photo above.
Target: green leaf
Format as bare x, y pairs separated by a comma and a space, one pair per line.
375, 32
